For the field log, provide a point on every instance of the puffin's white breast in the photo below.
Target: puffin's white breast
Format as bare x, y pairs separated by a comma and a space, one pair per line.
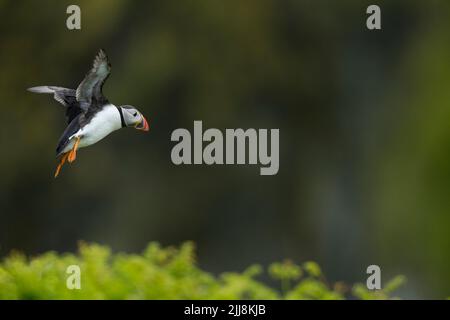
103, 123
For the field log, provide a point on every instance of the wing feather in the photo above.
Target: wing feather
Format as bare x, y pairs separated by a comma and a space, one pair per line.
91, 87
64, 96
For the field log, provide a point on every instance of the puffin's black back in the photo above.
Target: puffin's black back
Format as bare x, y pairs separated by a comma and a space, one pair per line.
68, 98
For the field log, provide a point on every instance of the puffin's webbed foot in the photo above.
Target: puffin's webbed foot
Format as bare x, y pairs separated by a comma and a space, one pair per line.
73, 152
61, 163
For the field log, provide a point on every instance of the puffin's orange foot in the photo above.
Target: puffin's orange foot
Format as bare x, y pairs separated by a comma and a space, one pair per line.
61, 163
73, 152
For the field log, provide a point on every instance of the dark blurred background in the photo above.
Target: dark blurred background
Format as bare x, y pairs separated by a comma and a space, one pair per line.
364, 119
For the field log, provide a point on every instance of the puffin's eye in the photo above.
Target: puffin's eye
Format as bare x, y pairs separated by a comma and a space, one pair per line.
135, 114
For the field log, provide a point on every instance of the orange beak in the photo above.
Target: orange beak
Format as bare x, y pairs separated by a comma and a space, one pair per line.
143, 126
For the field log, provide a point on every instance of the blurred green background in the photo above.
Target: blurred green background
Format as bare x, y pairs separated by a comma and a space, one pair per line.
364, 133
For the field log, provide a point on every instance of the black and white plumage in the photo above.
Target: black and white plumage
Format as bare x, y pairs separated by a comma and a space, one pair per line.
90, 116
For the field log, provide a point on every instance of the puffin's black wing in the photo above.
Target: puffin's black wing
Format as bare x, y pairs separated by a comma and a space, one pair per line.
66, 97
70, 130
89, 92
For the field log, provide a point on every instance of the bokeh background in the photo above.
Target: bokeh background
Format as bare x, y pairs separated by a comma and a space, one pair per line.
364, 119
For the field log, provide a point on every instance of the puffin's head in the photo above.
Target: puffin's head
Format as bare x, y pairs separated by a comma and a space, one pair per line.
133, 118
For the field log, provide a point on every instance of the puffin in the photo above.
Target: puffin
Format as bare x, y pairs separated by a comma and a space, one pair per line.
90, 116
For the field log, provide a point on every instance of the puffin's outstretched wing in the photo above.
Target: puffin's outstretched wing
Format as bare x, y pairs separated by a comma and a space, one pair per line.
66, 97
89, 92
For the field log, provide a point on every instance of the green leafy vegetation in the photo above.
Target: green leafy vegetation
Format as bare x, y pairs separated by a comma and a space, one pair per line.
164, 273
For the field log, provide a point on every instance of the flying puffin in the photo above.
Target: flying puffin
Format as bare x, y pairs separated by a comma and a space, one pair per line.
90, 116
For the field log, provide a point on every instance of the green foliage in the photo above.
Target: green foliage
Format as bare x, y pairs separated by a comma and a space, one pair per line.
163, 273
361, 292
